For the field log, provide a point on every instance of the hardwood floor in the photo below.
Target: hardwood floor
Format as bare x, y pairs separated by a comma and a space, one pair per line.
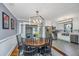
15, 52
59, 51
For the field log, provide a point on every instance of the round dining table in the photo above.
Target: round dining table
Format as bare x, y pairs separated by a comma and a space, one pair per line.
36, 43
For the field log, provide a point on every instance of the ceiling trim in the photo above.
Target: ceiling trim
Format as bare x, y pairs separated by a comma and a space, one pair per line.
10, 11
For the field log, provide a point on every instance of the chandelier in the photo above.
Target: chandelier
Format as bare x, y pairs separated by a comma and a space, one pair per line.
37, 19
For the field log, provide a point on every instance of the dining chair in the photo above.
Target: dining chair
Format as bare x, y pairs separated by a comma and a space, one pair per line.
21, 45
46, 49
40, 49
25, 50
30, 51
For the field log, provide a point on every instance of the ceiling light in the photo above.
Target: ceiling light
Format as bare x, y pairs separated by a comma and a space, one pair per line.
37, 20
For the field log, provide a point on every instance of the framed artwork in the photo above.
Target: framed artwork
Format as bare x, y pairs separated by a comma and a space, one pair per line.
5, 21
12, 24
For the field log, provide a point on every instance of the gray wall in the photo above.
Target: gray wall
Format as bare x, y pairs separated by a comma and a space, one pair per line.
6, 32
18, 22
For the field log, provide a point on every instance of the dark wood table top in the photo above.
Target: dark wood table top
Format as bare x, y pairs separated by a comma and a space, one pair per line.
36, 43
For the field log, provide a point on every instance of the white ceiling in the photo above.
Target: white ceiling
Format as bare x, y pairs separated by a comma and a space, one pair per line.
49, 11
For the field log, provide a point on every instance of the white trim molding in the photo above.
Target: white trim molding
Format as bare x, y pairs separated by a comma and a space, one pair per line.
7, 45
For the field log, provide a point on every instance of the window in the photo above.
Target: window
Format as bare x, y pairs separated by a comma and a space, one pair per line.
68, 27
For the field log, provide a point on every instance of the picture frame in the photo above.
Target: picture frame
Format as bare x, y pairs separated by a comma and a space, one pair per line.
5, 21
12, 24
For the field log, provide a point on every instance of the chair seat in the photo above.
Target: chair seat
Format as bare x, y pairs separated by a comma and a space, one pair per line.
45, 50
30, 51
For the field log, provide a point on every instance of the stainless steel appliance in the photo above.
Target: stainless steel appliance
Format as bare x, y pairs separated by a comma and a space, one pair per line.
74, 38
